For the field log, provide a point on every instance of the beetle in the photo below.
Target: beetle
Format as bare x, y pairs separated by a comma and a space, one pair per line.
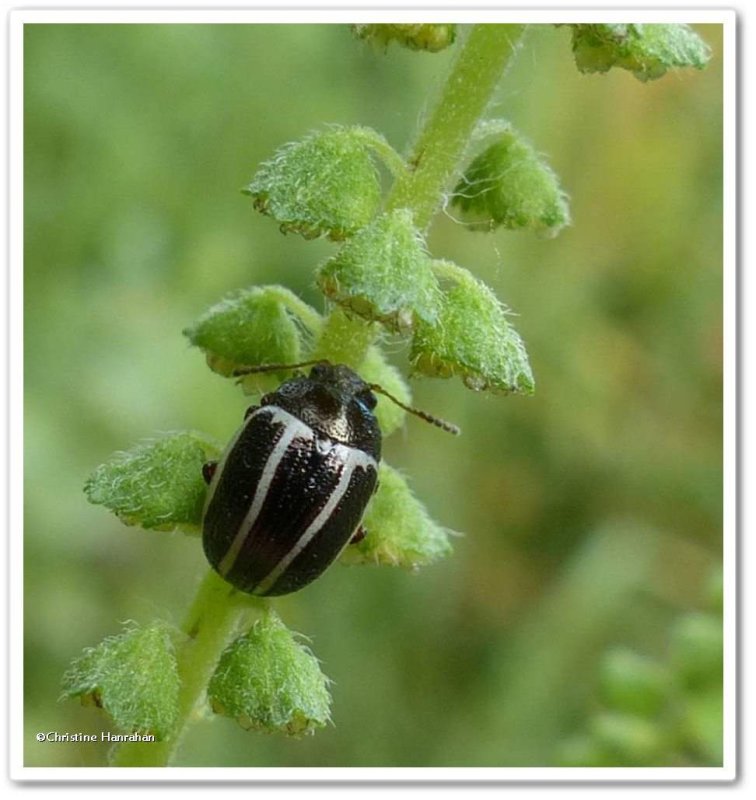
290, 489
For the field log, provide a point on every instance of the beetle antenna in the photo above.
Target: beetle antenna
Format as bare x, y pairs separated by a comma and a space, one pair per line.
437, 421
237, 373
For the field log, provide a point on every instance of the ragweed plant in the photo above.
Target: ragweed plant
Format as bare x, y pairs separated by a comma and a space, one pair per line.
233, 654
660, 711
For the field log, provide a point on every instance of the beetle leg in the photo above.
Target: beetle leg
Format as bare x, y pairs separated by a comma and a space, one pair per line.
250, 410
208, 470
358, 535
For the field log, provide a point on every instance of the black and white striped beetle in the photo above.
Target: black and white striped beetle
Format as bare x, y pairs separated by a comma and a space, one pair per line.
289, 491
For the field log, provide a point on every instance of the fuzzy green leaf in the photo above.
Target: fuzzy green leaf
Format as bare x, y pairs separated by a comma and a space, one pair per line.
156, 485
510, 185
324, 185
647, 50
250, 327
399, 530
430, 37
133, 677
472, 339
384, 273
266, 680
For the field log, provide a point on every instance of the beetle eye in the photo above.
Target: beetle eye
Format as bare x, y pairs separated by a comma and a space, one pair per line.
319, 371
367, 399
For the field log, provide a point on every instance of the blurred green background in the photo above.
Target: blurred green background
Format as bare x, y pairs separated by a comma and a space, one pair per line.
591, 512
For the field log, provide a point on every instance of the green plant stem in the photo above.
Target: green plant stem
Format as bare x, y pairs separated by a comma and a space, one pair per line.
344, 339
434, 161
218, 611
216, 615
464, 98
390, 158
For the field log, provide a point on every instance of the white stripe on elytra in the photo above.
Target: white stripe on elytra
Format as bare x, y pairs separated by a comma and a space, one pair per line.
293, 428
219, 467
352, 459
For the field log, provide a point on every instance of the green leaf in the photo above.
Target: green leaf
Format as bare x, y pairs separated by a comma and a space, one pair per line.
133, 677
324, 185
384, 273
631, 741
510, 185
633, 683
399, 530
156, 485
647, 50
703, 724
697, 650
266, 680
472, 338
430, 37
254, 326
